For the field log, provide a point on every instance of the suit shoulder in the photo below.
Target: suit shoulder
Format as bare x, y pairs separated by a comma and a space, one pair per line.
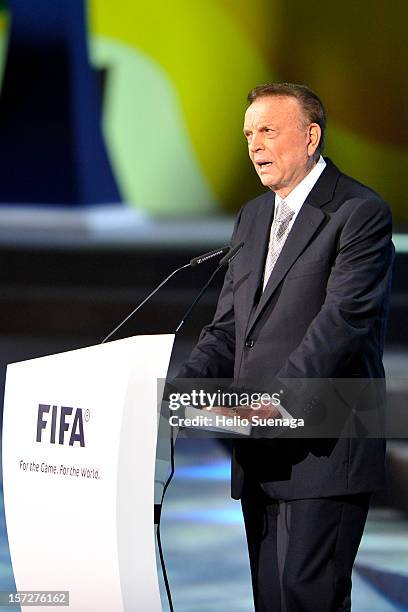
359, 195
352, 188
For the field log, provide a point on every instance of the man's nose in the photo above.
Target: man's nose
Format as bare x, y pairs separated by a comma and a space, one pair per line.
256, 143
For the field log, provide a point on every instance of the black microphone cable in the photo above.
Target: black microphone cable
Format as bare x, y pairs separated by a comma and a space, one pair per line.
225, 261
158, 534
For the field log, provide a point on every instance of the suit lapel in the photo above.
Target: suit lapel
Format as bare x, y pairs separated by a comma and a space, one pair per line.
307, 222
258, 243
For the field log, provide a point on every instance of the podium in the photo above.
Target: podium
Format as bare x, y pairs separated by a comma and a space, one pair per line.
79, 446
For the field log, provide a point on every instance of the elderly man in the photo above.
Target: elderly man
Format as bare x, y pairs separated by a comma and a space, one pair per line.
305, 298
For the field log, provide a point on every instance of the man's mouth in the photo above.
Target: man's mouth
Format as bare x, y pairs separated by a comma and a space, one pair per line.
263, 165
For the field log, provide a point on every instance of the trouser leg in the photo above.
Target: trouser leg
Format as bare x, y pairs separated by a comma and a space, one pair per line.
324, 536
302, 552
260, 517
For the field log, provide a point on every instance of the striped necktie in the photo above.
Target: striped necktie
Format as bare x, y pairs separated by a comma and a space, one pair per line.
278, 235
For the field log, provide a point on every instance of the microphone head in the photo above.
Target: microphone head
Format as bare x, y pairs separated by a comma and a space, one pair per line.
231, 254
196, 261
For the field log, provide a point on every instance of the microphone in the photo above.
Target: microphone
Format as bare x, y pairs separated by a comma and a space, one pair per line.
196, 261
232, 252
225, 261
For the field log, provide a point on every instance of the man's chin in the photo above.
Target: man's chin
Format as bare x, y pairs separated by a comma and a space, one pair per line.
267, 181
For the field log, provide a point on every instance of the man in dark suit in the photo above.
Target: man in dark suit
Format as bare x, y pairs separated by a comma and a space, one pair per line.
306, 298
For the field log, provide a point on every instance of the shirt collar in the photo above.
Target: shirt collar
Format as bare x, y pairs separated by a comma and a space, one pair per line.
299, 194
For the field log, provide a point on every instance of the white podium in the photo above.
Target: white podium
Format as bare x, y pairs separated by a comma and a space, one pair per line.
79, 445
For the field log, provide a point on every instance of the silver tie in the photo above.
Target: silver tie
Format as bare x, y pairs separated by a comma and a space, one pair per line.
278, 235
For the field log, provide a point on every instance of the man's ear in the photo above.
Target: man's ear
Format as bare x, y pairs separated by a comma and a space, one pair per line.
315, 134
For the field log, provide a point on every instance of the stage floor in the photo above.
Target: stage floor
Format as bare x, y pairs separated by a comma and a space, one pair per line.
205, 550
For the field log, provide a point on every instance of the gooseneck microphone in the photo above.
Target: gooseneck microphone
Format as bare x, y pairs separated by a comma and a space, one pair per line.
230, 255
225, 261
196, 261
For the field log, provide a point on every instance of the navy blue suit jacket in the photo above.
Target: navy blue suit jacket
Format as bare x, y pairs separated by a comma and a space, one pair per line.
322, 315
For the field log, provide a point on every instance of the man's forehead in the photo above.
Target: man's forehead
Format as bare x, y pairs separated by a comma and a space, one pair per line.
272, 109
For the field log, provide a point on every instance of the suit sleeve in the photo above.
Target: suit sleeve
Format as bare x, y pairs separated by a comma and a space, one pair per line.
356, 297
214, 354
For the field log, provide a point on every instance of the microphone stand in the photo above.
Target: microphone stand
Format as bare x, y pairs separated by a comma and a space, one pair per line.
196, 261
203, 290
223, 262
144, 301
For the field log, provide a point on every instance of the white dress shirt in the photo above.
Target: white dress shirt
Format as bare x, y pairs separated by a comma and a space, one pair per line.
299, 194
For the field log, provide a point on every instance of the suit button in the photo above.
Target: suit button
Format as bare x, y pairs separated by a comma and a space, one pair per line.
249, 343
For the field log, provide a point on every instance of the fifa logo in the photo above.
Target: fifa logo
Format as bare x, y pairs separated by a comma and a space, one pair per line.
60, 424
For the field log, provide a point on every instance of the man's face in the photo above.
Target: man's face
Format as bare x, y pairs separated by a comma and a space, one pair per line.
281, 142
